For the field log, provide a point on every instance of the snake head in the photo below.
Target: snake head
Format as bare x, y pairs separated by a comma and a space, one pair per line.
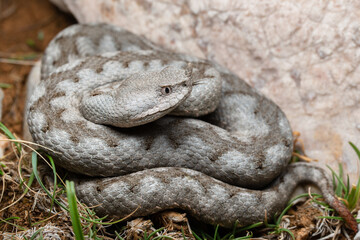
139, 99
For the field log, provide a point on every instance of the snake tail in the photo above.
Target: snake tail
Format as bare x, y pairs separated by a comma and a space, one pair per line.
201, 195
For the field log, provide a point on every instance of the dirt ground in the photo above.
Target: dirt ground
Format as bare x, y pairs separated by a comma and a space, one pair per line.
26, 27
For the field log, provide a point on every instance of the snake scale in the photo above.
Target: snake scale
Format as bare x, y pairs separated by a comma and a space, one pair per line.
158, 130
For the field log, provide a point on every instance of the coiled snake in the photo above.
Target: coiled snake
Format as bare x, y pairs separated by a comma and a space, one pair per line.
104, 103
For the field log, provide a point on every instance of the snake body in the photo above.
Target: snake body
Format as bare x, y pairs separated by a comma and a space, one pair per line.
104, 104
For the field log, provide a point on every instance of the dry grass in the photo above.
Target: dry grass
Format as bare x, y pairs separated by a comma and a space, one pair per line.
28, 210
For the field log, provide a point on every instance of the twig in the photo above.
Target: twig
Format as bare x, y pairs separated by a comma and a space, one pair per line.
305, 158
18, 62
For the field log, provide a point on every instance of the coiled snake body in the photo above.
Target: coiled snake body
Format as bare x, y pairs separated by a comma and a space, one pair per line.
104, 102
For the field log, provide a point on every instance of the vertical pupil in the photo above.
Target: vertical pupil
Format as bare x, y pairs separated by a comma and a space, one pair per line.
167, 90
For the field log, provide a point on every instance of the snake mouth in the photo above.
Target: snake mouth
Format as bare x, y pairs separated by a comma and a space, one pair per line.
168, 98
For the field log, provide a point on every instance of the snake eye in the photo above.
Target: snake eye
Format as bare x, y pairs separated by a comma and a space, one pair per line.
166, 90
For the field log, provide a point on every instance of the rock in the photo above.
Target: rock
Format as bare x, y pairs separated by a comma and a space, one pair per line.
302, 54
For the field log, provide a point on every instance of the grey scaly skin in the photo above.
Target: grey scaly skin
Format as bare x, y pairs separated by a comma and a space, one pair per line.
98, 81
205, 198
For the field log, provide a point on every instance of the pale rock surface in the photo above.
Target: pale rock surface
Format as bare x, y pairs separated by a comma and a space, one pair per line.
303, 54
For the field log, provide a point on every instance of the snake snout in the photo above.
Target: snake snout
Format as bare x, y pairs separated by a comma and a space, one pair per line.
139, 99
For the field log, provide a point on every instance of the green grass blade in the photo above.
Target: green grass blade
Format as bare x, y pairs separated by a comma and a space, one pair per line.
316, 200
250, 227
74, 214
36, 233
55, 180
354, 196
331, 217
183, 233
288, 231
155, 232
9, 134
146, 236
34, 162
216, 232
347, 187
245, 237
236, 231
5, 85
355, 149
34, 165
91, 233
118, 236
234, 228
196, 236
31, 180
2, 165
13, 224
340, 187
283, 213
340, 182
290, 204
206, 236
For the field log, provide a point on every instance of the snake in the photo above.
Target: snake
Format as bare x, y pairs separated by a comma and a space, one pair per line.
145, 129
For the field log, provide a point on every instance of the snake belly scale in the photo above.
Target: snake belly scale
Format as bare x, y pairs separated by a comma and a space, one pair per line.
222, 156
